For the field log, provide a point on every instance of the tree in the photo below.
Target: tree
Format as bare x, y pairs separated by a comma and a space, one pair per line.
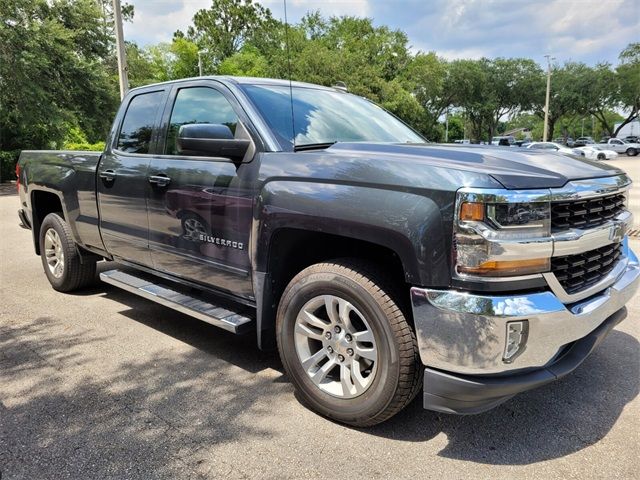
53, 73
569, 87
426, 78
226, 26
247, 62
628, 80
512, 84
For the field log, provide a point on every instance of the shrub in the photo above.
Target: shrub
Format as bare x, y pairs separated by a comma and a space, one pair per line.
8, 159
98, 146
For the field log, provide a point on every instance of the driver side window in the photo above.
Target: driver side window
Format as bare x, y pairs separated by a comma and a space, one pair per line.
198, 105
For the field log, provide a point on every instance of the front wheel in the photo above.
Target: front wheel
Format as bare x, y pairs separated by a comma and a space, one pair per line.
346, 344
632, 152
602, 156
64, 265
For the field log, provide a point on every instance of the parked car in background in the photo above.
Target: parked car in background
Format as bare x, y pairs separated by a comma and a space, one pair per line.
632, 139
597, 153
569, 142
464, 141
556, 147
510, 139
620, 146
582, 141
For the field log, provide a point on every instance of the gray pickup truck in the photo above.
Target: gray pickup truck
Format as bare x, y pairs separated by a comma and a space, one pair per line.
379, 264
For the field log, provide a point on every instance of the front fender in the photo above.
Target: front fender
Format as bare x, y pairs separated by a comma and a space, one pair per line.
411, 225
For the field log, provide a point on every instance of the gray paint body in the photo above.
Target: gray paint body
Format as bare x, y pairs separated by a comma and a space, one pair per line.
394, 195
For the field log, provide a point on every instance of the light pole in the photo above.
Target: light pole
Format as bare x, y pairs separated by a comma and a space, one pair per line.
446, 129
120, 51
546, 103
200, 52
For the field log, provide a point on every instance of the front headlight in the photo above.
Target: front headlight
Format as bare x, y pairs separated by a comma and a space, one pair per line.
502, 233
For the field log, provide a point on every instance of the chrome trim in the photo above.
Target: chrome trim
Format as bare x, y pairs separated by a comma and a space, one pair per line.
593, 187
607, 281
464, 333
554, 244
576, 240
487, 195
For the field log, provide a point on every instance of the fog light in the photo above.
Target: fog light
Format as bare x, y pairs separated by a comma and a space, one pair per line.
517, 333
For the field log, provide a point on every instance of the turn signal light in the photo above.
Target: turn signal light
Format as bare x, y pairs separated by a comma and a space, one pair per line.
471, 211
508, 267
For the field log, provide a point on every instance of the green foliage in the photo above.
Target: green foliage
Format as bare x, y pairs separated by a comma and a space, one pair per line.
76, 139
8, 160
628, 83
59, 84
95, 147
248, 62
52, 72
226, 26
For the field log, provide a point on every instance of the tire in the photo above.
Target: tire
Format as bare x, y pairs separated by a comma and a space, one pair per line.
56, 242
392, 380
602, 156
632, 152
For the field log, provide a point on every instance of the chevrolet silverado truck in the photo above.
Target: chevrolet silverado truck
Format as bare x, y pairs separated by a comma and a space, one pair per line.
378, 264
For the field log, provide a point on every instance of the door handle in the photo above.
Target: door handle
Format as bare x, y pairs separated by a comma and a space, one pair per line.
108, 175
160, 180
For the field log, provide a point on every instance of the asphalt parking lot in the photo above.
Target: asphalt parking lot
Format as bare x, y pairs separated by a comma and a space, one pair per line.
103, 384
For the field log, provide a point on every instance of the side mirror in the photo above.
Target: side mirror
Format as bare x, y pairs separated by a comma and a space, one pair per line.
209, 139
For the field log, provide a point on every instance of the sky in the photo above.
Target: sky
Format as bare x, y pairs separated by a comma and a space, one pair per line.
579, 30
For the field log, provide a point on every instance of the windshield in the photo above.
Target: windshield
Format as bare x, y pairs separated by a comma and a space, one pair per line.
325, 116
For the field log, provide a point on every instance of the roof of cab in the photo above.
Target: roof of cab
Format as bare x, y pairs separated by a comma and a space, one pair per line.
243, 81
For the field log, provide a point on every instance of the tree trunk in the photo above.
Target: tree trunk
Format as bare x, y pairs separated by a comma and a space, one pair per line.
632, 116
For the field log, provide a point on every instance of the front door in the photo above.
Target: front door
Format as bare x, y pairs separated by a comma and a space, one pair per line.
200, 208
122, 180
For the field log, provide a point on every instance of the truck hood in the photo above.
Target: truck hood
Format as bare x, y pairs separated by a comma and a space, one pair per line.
513, 167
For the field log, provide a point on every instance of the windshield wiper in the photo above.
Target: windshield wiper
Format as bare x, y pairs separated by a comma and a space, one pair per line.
312, 146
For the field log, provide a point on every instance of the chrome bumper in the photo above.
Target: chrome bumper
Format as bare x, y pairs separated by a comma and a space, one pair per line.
465, 333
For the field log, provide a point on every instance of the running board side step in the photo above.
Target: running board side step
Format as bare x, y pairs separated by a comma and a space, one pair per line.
171, 296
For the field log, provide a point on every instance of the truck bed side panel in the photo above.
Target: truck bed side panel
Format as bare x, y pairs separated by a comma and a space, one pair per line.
71, 175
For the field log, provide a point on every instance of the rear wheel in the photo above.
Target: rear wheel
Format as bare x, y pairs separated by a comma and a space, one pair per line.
64, 265
346, 344
632, 152
602, 156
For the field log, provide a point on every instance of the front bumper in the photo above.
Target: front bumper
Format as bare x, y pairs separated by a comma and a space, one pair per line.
462, 336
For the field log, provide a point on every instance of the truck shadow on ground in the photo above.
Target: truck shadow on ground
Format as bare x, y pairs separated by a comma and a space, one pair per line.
164, 413
550, 422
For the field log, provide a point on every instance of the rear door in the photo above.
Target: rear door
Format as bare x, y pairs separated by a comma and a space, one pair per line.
200, 208
122, 182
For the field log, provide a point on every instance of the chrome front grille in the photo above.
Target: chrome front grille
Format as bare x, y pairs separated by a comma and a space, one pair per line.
580, 271
586, 213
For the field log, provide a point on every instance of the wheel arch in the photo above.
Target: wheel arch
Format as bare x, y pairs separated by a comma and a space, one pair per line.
43, 202
298, 224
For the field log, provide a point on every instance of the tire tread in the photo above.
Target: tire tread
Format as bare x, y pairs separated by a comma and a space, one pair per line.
389, 297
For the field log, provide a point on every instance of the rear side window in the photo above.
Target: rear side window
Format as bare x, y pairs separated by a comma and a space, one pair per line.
199, 105
137, 126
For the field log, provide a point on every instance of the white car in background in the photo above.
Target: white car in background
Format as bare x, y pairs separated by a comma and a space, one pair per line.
555, 147
597, 153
